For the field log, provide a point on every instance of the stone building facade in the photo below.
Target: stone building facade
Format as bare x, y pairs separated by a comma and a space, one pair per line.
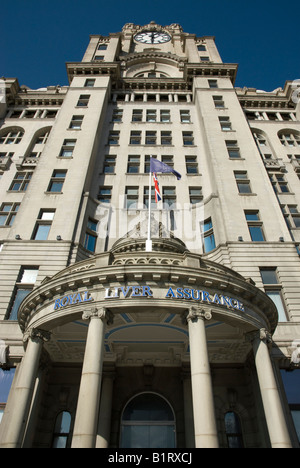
192, 342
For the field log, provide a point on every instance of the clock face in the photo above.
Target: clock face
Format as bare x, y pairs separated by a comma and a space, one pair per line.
152, 37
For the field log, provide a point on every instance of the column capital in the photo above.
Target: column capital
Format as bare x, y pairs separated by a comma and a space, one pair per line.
101, 313
262, 334
36, 334
194, 313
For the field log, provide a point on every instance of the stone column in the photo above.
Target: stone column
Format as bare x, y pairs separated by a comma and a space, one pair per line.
104, 423
188, 411
23, 390
278, 432
85, 427
203, 402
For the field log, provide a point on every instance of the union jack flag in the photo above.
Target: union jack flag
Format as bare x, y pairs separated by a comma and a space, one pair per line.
156, 188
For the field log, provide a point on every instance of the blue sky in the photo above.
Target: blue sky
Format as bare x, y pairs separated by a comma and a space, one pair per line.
39, 36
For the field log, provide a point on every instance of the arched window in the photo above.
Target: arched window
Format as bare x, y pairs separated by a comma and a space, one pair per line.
233, 430
61, 430
11, 136
148, 422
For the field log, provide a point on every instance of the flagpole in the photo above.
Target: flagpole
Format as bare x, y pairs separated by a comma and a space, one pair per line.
149, 241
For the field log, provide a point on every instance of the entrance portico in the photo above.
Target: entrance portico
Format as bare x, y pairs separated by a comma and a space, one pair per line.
163, 319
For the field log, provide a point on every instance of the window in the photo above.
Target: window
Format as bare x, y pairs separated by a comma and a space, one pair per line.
233, 430
195, 194
208, 238
191, 164
8, 212
132, 195
291, 382
185, 116
225, 124
137, 115
213, 83
188, 138
242, 181
76, 122
83, 100
255, 226
102, 47
218, 101
165, 116
113, 137
43, 225
90, 235
99, 57
104, 194
89, 83
167, 159
148, 422
204, 59
62, 430
169, 196
135, 137
109, 164
146, 197
117, 115
150, 138
279, 183
6, 379
289, 139
292, 216
151, 115
201, 47
233, 149
67, 149
20, 181
12, 137
133, 166
24, 285
166, 138
273, 290
57, 181
147, 163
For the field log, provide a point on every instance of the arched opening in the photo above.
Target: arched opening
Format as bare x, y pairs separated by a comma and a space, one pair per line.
148, 422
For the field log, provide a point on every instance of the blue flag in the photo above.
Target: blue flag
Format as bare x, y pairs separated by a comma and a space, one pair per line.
157, 166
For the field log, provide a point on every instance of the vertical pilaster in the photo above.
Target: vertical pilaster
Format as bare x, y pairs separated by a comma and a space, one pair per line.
274, 414
203, 403
85, 428
23, 390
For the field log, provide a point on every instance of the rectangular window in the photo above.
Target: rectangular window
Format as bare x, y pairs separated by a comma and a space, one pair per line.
255, 226
208, 238
113, 137
291, 382
166, 138
150, 138
90, 237
147, 163
109, 164
225, 124
117, 115
83, 100
213, 83
151, 115
24, 285
133, 166
292, 216
191, 164
165, 116
43, 225
146, 197
195, 194
188, 138
242, 181
218, 101
279, 183
132, 195
273, 290
67, 149
137, 115
8, 212
185, 116
76, 122
135, 137
233, 149
104, 194
57, 181
20, 181
169, 196
89, 83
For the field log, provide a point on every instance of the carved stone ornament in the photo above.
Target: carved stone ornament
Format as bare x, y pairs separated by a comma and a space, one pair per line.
263, 334
102, 313
195, 312
35, 334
